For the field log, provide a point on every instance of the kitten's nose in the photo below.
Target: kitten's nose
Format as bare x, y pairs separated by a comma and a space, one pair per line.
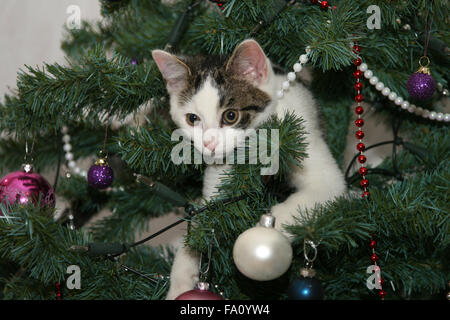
211, 144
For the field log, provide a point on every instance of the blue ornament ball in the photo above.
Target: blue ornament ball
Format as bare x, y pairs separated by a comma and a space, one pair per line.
305, 288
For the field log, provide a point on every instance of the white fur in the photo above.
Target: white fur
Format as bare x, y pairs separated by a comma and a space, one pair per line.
318, 181
205, 104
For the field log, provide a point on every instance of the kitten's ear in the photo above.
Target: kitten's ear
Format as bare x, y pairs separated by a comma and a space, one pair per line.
249, 61
173, 70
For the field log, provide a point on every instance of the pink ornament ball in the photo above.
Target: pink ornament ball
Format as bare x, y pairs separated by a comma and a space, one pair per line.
199, 293
25, 188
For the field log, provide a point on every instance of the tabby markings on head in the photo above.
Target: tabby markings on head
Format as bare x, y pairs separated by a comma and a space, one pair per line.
234, 92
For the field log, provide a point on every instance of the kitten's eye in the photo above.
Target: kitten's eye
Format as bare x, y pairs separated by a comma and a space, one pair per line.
230, 117
191, 118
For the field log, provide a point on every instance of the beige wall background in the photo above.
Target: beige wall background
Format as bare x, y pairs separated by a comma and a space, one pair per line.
31, 32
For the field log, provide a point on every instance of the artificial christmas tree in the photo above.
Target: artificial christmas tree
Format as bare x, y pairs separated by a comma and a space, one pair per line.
407, 211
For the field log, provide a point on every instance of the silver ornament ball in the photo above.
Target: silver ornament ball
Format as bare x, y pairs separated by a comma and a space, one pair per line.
262, 253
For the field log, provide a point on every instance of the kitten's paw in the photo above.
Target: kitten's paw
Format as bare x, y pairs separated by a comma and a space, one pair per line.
184, 274
177, 289
284, 215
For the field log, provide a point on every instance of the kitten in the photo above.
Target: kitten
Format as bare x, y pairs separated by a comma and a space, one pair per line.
220, 97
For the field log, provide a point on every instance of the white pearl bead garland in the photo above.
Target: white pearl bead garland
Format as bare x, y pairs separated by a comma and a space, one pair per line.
291, 76
69, 156
280, 94
363, 67
72, 164
405, 105
399, 101
392, 96
303, 58
368, 74
373, 80
379, 86
433, 115
418, 111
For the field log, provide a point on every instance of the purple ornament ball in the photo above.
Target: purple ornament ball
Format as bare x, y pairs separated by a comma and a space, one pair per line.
25, 188
199, 293
420, 86
100, 176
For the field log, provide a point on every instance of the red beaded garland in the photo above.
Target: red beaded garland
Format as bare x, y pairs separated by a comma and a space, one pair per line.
357, 62
362, 158
363, 171
360, 147
357, 74
359, 98
58, 291
364, 183
324, 4
374, 257
356, 48
359, 134
219, 3
359, 110
359, 122
365, 194
358, 86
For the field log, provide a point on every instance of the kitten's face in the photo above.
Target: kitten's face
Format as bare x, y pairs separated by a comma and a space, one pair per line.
214, 100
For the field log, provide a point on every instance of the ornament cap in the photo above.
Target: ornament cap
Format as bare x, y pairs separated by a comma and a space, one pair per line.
101, 162
204, 286
424, 68
267, 221
28, 168
307, 272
